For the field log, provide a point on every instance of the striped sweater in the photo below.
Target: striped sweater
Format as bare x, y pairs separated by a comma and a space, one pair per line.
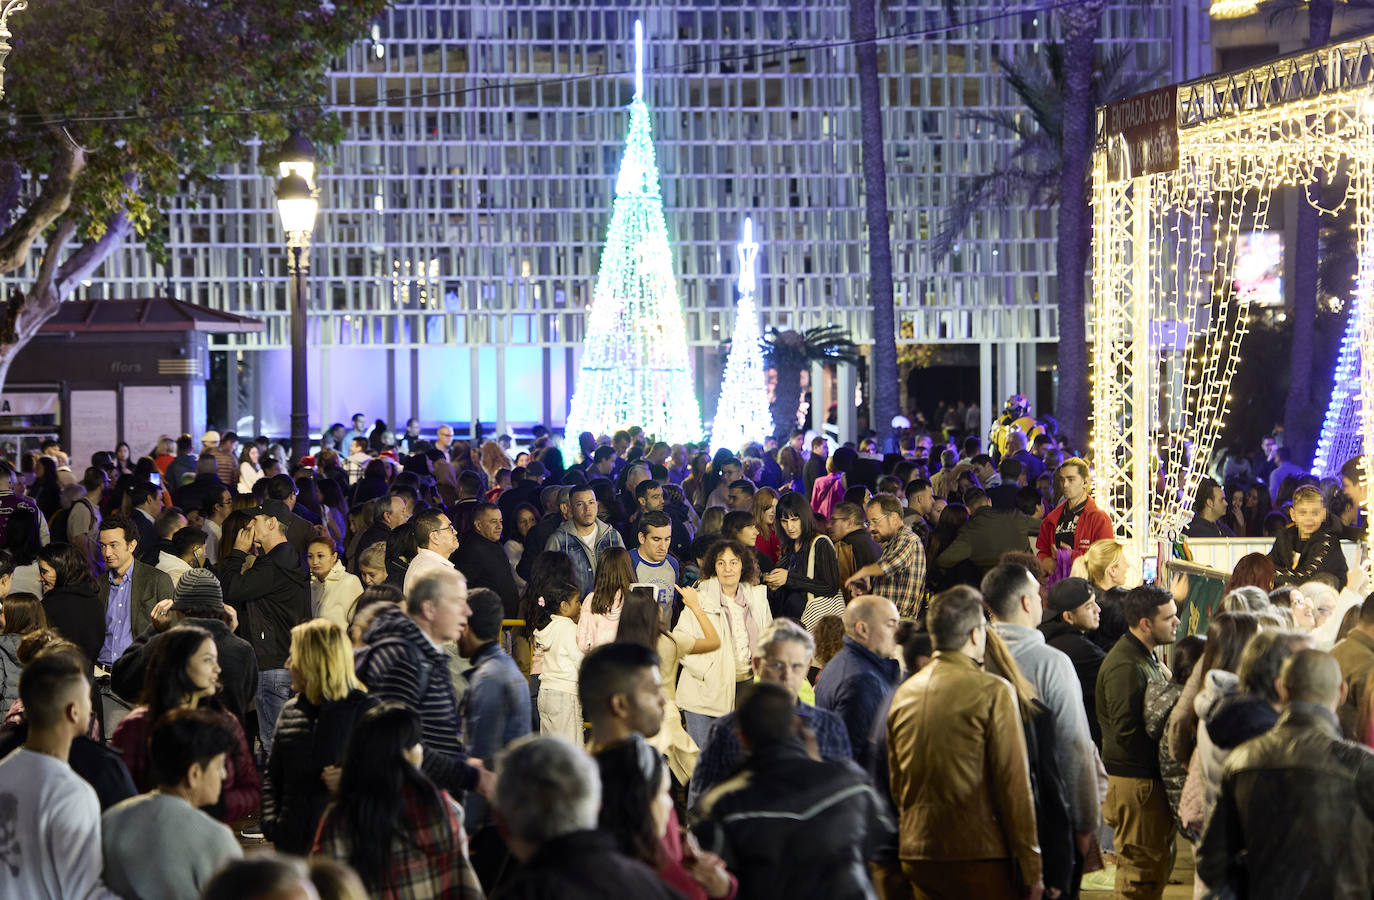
400, 663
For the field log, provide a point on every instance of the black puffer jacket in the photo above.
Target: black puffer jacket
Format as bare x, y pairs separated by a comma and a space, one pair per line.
308, 738
791, 826
272, 597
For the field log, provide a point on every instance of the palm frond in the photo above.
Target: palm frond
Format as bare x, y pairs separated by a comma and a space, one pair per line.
1030, 174
997, 190
829, 343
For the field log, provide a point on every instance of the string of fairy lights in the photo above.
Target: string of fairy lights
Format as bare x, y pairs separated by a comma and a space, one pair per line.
1169, 318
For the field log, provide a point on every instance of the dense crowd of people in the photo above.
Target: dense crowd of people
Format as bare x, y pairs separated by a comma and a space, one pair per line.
441, 668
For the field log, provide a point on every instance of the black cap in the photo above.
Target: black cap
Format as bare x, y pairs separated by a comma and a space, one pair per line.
273, 508
1068, 594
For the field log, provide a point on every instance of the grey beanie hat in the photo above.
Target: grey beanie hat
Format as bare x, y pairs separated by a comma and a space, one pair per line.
198, 590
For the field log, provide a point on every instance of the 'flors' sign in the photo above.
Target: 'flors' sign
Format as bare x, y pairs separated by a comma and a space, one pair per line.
1141, 134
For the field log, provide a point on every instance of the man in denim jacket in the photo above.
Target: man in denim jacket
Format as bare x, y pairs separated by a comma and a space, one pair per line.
495, 708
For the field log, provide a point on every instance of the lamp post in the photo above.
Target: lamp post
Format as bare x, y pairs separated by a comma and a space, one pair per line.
297, 205
7, 8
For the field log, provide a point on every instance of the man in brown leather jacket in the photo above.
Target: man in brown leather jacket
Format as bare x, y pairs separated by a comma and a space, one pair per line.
959, 775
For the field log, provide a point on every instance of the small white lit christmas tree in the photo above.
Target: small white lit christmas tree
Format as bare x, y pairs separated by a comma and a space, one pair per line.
742, 413
634, 368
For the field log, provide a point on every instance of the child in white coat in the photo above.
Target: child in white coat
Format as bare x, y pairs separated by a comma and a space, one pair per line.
555, 640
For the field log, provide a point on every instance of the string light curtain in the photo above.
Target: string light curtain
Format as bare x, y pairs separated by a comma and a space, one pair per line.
634, 368
742, 413
1169, 318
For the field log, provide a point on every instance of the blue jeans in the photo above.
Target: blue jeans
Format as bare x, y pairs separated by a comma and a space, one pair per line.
274, 689
699, 727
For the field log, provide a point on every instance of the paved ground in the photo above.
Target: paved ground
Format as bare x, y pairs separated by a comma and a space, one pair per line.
1180, 884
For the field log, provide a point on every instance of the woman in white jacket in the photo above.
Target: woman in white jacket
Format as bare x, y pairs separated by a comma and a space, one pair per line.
737, 607
334, 592
250, 470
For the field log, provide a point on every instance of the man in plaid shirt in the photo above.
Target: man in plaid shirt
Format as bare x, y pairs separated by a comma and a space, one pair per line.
900, 573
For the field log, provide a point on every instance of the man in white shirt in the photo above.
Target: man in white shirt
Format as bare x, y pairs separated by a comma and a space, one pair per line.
218, 504
436, 539
49, 815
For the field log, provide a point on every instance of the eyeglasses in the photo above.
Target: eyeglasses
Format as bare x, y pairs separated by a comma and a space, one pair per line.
779, 667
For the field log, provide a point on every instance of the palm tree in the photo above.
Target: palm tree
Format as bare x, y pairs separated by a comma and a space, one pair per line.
1046, 161
885, 388
1031, 175
790, 352
1079, 25
1302, 411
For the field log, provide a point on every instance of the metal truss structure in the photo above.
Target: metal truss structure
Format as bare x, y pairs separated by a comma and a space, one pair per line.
1169, 313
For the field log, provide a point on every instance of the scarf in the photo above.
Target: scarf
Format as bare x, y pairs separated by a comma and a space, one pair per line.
751, 628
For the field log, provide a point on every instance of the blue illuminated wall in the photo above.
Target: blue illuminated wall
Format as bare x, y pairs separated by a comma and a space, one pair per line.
434, 383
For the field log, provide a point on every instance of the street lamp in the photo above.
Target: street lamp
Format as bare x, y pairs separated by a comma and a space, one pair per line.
7, 7
297, 205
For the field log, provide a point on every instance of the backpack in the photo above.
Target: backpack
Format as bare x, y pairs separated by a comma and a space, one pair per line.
57, 528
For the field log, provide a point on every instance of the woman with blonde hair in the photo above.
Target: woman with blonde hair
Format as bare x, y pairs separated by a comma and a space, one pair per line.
1104, 565
312, 733
372, 565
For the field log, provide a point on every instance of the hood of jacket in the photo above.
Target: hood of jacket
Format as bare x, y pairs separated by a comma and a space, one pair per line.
287, 561
79, 589
394, 624
600, 529
1078, 640
1217, 685
1015, 636
1238, 718
336, 575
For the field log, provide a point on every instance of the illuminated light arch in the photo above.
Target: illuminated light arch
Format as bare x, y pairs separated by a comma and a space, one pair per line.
1168, 318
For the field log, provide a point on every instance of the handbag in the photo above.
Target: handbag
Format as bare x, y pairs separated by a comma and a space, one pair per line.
818, 608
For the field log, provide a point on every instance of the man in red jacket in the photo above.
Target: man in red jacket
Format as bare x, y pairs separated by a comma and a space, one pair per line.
1074, 524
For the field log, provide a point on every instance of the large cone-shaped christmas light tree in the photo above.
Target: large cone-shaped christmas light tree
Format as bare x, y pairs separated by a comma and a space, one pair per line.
742, 413
634, 367
1342, 432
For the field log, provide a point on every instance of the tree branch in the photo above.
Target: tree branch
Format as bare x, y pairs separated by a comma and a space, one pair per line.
91, 254
46, 270
51, 202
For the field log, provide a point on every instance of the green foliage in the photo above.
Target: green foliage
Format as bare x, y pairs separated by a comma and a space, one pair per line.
162, 95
